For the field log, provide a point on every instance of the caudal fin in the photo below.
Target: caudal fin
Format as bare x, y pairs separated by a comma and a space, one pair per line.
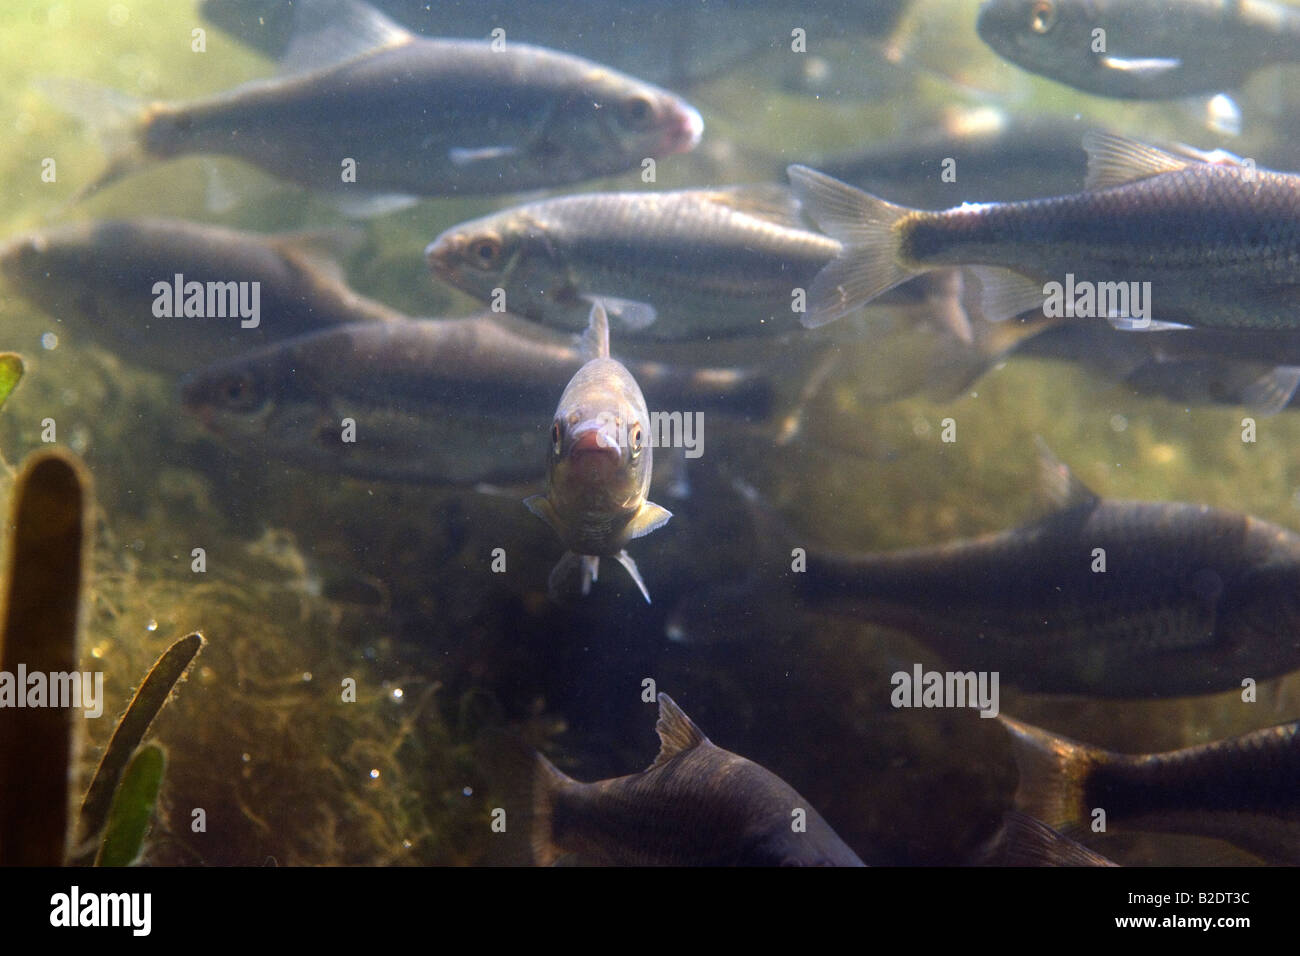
115, 119
1054, 772
868, 263
548, 780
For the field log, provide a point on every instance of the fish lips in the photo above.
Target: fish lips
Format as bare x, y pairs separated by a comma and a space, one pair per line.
594, 453
438, 256
686, 130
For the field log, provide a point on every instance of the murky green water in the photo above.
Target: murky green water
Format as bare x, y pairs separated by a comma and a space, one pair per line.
313, 579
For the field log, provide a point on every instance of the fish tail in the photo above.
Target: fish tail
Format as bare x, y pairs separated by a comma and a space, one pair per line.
595, 341
1054, 774
116, 119
866, 227
548, 780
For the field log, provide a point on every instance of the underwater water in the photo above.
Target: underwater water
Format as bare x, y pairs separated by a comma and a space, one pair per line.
378, 645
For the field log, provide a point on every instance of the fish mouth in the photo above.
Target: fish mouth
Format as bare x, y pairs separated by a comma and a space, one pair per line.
686, 130
594, 454
437, 255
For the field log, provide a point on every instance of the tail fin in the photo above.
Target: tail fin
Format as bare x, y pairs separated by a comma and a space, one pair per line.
1054, 772
595, 341
547, 780
113, 116
868, 263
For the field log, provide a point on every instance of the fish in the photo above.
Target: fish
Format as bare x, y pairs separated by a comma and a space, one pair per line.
1243, 789
684, 43
1142, 49
598, 468
1201, 367
1208, 366
695, 805
685, 265
406, 116
667, 265
993, 155
1100, 597
103, 281
434, 401
1202, 244
1021, 840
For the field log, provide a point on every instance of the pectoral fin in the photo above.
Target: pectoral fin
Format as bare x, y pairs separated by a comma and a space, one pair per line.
1146, 68
541, 506
629, 313
462, 156
1128, 323
650, 517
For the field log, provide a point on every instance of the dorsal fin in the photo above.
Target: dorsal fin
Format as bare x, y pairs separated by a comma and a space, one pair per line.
1060, 485
326, 32
595, 341
771, 202
677, 734
1114, 160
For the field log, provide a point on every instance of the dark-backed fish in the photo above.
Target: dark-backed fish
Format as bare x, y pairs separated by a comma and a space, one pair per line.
696, 805
403, 115
1105, 598
439, 401
971, 154
1142, 49
598, 467
1157, 240
678, 41
116, 283
1244, 789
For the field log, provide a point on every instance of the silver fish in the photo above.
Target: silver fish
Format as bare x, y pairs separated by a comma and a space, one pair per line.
599, 467
1142, 49
412, 116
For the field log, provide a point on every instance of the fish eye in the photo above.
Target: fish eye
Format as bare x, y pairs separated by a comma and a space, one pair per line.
485, 252
239, 392
1042, 16
637, 112
555, 437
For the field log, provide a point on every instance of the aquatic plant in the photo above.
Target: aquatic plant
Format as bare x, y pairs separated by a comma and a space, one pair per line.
37, 744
